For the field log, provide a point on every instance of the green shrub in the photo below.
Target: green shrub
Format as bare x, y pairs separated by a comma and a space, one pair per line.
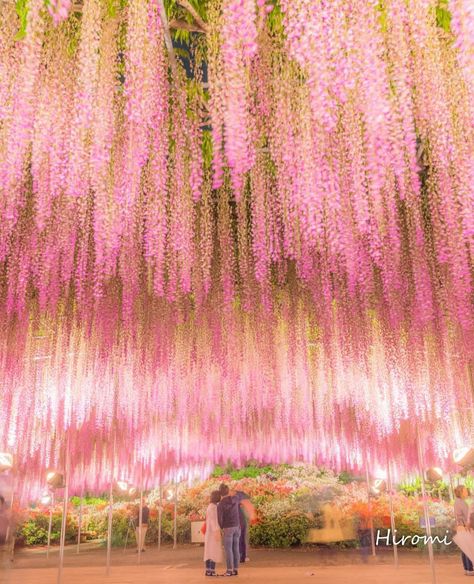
279, 532
183, 531
34, 531
33, 534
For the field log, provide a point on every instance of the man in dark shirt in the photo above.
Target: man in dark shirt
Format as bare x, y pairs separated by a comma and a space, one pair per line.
228, 516
140, 532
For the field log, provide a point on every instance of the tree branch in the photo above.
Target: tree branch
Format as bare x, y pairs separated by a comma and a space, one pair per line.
178, 24
194, 13
167, 35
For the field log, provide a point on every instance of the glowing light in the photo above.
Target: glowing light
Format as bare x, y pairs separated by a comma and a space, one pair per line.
45, 499
464, 456
55, 479
434, 474
6, 461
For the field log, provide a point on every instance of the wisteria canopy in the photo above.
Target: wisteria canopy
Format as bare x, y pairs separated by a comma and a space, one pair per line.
234, 230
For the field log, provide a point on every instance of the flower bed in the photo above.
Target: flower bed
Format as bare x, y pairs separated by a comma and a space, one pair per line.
289, 501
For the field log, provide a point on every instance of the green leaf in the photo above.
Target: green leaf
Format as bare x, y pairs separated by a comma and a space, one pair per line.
21, 7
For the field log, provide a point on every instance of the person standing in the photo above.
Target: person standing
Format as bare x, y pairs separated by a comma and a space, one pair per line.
4, 521
228, 516
140, 530
461, 515
212, 536
244, 524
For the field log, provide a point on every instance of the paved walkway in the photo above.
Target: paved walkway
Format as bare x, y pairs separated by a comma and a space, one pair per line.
184, 566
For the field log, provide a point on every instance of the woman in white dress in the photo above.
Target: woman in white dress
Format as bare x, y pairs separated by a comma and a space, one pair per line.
213, 538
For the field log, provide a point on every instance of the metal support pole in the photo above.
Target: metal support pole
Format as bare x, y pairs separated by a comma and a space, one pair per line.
109, 526
369, 507
140, 543
64, 517
425, 509
175, 520
392, 516
451, 487
160, 512
79, 523
10, 534
50, 524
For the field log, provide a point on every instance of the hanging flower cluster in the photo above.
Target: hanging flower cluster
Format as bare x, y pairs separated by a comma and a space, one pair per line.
232, 386
309, 276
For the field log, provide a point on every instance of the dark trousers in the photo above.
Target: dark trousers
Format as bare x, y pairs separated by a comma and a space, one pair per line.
466, 562
364, 543
243, 541
210, 566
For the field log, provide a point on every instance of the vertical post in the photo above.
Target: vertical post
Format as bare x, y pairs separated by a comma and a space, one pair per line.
79, 523
160, 511
111, 502
50, 524
425, 508
369, 507
140, 519
10, 534
64, 517
175, 520
109, 525
450, 487
392, 515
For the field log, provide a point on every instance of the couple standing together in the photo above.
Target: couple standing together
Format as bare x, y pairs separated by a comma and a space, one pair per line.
226, 512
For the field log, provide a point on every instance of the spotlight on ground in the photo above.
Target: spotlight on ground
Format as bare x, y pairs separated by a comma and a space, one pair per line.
434, 474
464, 456
55, 479
6, 461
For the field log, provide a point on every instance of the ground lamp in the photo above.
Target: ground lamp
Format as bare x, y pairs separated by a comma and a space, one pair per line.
433, 475
6, 461
464, 456
55, 479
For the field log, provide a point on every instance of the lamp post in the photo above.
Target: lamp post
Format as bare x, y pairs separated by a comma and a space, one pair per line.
175, 519
425, 506
392, 515
50, 523
64, 518
369, 508
160, 512
79, 522
109, 526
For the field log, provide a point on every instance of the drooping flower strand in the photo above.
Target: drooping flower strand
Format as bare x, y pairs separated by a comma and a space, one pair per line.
239, 45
